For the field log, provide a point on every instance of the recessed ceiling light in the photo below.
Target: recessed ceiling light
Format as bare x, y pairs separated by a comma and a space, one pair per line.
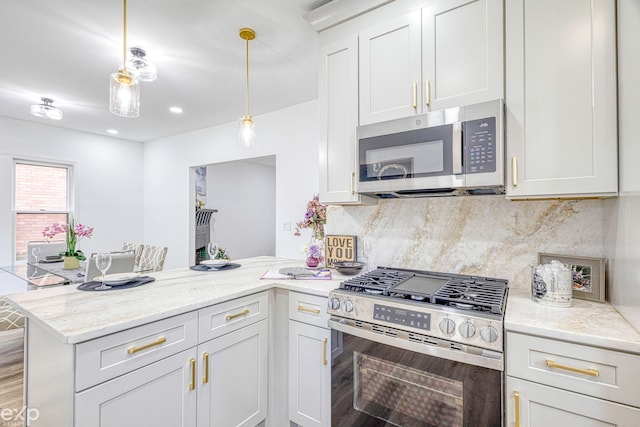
112, 131
175, 110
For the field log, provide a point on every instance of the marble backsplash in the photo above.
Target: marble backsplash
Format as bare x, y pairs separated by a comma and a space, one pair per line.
482, 235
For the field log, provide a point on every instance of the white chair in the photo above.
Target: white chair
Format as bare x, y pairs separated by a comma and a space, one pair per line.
152, 258
121, 262
46, 249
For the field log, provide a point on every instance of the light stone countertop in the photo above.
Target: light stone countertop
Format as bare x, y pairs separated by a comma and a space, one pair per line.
74, 316
585, 322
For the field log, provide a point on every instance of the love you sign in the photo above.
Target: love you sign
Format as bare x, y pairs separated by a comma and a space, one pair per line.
340, 248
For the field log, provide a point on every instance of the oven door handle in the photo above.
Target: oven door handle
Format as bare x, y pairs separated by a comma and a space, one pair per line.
492, 360
457, 148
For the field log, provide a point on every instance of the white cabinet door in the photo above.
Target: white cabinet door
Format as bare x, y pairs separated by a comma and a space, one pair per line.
533, 405
233, 378
390, 75
338, 116
462, 53
159, 394
561, 98
309, 374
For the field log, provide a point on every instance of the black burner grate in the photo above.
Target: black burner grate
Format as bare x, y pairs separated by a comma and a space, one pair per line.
376, 282
477, 294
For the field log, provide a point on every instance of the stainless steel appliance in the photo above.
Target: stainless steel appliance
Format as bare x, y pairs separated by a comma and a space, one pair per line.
455, 151
418, 348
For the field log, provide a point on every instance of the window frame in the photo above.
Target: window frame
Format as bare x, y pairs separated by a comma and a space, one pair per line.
69, 212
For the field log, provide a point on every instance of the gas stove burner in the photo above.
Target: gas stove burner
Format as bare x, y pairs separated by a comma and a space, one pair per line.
418, 297
462, 306
373, 291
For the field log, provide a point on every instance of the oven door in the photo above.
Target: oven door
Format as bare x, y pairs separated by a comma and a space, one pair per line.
375, 384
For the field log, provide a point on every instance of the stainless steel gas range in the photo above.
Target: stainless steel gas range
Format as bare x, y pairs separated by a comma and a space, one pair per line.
418, 348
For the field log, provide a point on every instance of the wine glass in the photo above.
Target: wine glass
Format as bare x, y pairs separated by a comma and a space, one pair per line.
35, 251
212, 250
103, 263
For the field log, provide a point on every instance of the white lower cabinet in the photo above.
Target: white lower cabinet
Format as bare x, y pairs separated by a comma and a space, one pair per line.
535, 405
309, 361
232, 388
557, 383
157, 395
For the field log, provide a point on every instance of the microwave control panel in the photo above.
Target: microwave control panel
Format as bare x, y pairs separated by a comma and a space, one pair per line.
480, 145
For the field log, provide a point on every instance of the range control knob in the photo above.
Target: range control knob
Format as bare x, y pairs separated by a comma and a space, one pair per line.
334, 304
467, 330
489, 333
348, 306
447, 326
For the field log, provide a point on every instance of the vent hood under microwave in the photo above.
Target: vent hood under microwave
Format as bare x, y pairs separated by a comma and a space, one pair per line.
457, 151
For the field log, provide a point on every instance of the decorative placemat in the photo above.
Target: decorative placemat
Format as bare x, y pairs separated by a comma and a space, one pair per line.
91, 286
202, 267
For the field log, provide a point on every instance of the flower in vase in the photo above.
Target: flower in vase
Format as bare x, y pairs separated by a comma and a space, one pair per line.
73, 233
315, 218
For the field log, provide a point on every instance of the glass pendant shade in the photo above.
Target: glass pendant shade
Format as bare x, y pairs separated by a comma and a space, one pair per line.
124, 94
46, 110
247, 132
140, 67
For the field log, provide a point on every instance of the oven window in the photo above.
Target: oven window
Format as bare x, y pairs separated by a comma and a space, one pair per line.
405, 396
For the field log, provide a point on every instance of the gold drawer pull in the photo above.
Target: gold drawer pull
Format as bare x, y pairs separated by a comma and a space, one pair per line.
427, 92
308, 310
192, 386
415, 96
205, 356
590, 372
324, 351
132, 350
514, 171
516, 397
242, 313
353, 183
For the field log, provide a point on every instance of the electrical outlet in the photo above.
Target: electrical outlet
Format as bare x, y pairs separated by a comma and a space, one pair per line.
286, 225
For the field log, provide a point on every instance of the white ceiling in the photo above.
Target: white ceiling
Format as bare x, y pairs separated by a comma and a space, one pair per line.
66, 49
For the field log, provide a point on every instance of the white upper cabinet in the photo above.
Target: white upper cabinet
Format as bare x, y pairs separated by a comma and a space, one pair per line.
338, 118
445, 55
389, 59
561, 98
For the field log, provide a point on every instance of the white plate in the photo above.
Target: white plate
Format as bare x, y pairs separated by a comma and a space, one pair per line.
117, 279
215, 263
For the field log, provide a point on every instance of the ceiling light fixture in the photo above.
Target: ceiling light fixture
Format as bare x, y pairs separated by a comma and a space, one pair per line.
175, 110
140, 66
124, 91
112, 131
46, 110
247, 132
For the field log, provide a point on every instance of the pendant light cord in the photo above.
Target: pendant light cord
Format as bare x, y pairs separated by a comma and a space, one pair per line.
124, 38
247, 78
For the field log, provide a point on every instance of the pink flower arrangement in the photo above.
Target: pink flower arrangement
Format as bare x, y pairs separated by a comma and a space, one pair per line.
73, 233
315, 217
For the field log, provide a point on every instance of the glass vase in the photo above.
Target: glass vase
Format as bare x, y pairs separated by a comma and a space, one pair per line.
315, 254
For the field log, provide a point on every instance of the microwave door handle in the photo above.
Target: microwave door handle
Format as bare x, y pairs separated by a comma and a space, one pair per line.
457, 148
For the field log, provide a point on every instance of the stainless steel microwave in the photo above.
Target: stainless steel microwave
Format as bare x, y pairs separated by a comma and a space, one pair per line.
456, 151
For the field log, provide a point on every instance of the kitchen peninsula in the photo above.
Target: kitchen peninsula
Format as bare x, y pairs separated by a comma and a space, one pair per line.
105, 358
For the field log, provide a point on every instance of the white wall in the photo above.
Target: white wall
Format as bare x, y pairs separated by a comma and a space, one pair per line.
623, 219
107, 181
244, 193
289, 134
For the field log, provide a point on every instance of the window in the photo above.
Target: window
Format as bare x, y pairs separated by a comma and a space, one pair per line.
41, 197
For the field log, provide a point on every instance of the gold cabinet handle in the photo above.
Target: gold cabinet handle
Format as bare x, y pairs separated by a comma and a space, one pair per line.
132, 350
192, 386
427, 92
308, 310
353, 183
514, 171
516, 397
242, 313
590, 372
205, 356
415, 96
324, 351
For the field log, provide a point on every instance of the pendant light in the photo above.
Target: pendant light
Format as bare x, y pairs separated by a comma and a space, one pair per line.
140, 67
124, 91
247, 131
46, 110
